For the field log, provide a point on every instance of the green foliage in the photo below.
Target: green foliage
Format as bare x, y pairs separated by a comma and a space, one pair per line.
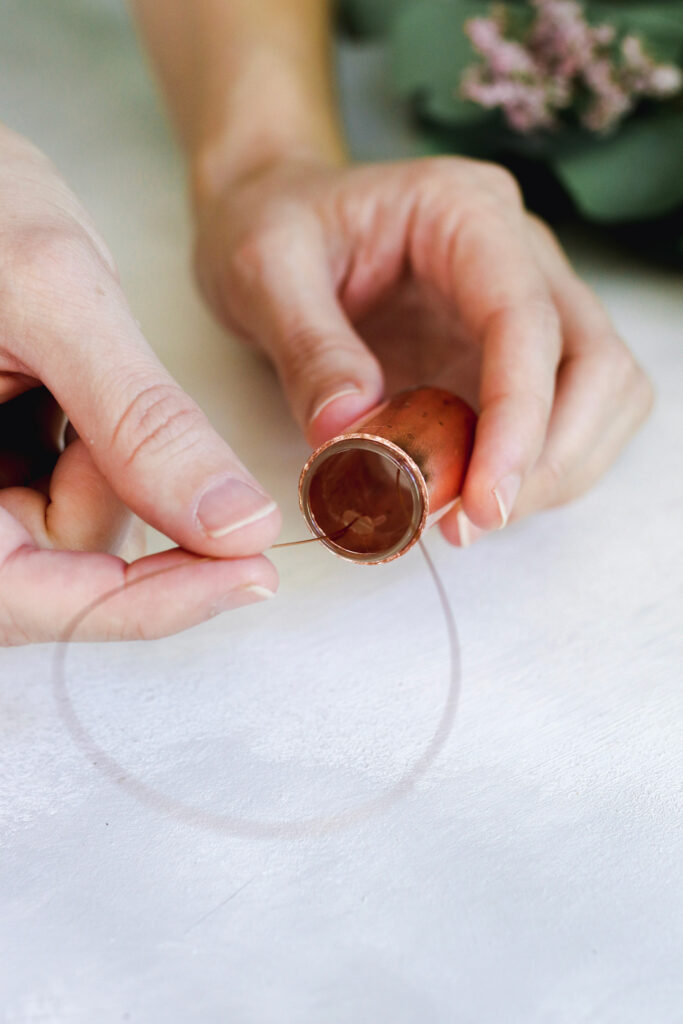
632, 175
368, 17
661, 24
429, 50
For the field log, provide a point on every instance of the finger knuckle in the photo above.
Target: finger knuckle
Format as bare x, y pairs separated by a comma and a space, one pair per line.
534, 412
644, 394
13, 633
50, 260
543, 229
531, 410
13, 637
538, 311
627, 378
307, 349
480, 177
313, 356
485, 213
439, 167
500, 182
249, 250
543, 311
539, 407
487, 185
305, 342
257, 248
159, 420
246, 267
623, 367
553, 474
540, 308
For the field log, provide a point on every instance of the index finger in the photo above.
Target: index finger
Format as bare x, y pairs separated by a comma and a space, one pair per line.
491, 275
62, 595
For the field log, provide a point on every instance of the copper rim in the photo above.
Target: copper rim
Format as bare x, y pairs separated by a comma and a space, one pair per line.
384, 447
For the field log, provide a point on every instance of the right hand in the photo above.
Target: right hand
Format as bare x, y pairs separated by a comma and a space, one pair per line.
136, 442
318, 263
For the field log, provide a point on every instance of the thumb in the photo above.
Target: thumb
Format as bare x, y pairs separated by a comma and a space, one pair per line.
149, 439
329, 375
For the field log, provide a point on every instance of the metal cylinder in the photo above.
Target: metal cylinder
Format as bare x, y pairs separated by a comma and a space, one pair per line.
369, 493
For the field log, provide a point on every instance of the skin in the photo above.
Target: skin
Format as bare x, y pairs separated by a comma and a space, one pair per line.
355, 279
68, 341
316, 261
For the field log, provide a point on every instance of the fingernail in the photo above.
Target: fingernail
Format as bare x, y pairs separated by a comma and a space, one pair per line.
505, 492
467, 531
262, 593
350, 389
240, 596
231, 505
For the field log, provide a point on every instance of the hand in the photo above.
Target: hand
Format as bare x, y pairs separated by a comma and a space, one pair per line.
135, 441
313, 262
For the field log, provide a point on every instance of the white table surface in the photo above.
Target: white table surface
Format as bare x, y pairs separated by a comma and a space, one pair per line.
529, 873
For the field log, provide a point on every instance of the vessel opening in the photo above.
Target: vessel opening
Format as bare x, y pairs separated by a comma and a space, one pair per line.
362, 501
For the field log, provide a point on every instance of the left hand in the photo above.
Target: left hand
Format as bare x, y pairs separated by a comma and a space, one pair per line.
313, 262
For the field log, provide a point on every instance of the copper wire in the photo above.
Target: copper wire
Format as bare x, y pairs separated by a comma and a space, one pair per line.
253, 828
337, 535
72, 626
227, 824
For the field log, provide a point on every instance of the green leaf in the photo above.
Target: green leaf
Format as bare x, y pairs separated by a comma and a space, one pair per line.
429, 51
659, 25
444, 106
477, 140
369, 17
635, 174
638, 13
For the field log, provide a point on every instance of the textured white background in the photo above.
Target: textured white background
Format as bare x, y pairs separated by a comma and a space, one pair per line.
532, 875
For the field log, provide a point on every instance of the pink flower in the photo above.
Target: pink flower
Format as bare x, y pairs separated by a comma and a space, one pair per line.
560, 37
504, 57
646, 77
525, 104
609, 101
561, 60
665, 80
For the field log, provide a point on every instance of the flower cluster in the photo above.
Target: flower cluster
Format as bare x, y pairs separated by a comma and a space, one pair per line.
562, 62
